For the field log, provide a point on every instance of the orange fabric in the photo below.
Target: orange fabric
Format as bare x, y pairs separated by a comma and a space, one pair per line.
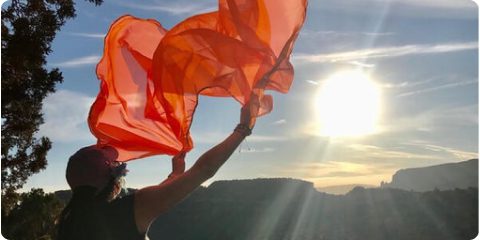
151, 77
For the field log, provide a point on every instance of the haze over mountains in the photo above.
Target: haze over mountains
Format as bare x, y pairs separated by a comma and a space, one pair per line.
442, 177
342, 189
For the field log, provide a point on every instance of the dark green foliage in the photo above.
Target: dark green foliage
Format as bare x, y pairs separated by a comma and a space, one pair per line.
28, 28
33, 217
285, 209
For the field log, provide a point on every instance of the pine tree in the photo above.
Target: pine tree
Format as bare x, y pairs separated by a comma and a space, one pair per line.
33, 217
28, 29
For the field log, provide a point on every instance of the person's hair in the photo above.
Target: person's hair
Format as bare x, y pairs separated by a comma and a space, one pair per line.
80, 219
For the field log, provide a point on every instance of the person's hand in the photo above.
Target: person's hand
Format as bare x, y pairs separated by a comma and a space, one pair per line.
178, 165
248, 111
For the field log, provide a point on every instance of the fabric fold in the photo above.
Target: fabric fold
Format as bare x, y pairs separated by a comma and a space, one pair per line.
151, 77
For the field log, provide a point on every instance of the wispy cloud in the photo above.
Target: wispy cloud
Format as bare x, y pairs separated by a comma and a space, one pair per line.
385, 153
466, 115
435, 3
174, 8
340, 34
312, 82
343, 174
332, 41
267, 138
418, 8
456, 153
437, 88
79, 62
205, 137
340, 172
386, 52
65, 114
256, 150
437, 119
362, 64
280, 122
408, 84
217, 136
88, 35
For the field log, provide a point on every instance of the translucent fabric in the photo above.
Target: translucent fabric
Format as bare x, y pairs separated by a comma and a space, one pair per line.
151, 77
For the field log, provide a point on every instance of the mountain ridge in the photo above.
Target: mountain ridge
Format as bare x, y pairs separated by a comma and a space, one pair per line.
446, 176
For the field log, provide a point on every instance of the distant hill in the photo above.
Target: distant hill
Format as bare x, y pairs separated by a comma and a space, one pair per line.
443, 177
342, 189
281, 209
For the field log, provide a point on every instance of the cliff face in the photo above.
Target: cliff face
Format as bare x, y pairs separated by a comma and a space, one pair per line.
442, 177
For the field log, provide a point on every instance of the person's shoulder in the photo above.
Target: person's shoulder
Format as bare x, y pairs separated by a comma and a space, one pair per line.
127, 199
120, 217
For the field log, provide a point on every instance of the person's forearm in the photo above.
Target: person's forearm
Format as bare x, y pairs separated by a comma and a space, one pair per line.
209, 163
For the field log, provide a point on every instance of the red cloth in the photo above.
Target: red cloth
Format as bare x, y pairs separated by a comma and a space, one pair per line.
151, 77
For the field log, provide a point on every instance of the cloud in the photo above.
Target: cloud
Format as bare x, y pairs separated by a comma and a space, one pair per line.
174, 8
409, 8
215, 137
377, 152
79, 62
361, 64
395, 85
463, 4
88, 35
331, 41
208, 137
385, 52
437, 88
466, 115
441, 120
339, 34
256, 150
343, 174
267, 138
407, 84
280, 122
336, 170
65, 114
312, 82
456, 153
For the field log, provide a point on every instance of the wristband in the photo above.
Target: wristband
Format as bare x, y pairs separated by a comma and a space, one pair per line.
243, 129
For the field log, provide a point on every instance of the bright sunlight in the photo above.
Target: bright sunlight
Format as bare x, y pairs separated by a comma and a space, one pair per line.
348, 105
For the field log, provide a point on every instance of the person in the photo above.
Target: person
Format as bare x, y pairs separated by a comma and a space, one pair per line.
95, 212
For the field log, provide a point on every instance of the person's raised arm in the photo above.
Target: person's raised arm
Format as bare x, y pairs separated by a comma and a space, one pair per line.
154, 200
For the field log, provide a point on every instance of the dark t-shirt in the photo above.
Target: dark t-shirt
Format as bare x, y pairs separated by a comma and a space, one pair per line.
118, 216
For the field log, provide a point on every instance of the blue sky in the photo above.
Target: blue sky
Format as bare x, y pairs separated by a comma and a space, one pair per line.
421, 53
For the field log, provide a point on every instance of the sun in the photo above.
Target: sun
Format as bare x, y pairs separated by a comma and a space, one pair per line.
348, 105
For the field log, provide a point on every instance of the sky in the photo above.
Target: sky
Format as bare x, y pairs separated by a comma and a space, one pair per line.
421, 55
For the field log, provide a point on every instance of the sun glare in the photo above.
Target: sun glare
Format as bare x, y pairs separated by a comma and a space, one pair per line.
348, 105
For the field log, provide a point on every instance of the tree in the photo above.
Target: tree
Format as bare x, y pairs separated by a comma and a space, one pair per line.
33, 217
28, 28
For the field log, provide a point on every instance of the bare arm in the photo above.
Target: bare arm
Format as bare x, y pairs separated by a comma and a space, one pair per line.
154, 200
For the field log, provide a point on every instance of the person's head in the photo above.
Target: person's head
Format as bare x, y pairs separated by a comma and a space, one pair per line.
95, 178
96, 167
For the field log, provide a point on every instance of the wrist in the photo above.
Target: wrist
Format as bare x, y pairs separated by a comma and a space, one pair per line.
243, 129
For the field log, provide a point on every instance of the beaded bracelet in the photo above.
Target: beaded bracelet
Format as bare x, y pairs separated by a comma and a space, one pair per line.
243, 129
